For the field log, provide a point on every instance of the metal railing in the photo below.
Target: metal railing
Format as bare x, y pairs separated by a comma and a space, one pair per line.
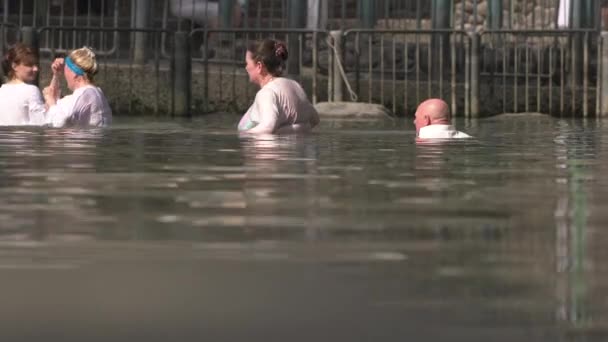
550, 71
9, 35
399, 68
555, 71
336, 14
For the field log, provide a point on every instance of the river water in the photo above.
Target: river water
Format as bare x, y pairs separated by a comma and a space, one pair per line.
159, 230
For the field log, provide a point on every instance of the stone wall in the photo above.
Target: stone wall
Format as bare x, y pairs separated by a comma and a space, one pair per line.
520, 14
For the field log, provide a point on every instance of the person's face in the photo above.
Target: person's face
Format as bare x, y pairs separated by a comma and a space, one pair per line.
26, 72
70, 77
253, 68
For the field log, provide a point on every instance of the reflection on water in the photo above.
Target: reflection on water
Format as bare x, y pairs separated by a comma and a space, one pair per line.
352, 233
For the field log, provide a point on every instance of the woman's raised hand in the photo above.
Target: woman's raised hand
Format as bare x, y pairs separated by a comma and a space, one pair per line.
57, 66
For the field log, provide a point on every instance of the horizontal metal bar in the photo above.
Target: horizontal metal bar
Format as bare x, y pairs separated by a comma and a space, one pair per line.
247, 30
532, 32
115, 30
102, 29
510, 74
397, 31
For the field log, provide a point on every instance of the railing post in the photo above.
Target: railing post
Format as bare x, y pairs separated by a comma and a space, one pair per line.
440, 20
335, 84
474, 74
40, 12
142, 14
182, 74
297, 19
604, 75
221, 42
5, 11
495, 15
367, 13
578, 22
226, 8
29, 36
590, 19
441, 14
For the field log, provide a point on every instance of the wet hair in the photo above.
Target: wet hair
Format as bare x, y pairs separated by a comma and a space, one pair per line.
85, 59
18, 54
271, 53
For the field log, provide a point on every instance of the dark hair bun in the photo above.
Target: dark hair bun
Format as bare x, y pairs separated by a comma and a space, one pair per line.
280, 50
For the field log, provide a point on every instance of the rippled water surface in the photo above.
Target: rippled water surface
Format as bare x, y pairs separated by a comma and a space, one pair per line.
183, 231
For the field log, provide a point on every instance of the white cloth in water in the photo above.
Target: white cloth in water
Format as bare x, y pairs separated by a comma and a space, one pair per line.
86, 106
201, 11
281, 106
198, 10
563, 14
441, 132
21, 104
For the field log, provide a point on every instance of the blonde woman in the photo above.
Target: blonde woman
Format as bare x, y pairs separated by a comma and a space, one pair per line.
87, 105
20, 100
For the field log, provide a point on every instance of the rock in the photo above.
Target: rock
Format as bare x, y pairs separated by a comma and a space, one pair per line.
352, 109
520, 116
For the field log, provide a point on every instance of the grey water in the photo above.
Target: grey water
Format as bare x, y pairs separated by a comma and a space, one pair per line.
158, 230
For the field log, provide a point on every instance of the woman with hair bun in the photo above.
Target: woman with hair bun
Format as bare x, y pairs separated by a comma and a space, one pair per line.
20, 99
281, 105
87, 105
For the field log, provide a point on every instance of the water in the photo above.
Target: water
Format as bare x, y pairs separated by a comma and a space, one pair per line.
178, 230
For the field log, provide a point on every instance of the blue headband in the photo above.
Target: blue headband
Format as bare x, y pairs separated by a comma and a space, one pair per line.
75, 68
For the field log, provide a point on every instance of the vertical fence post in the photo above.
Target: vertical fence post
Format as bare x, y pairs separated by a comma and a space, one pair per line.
590, 20
604, 75
5, 11
367, 13
335, 83
441, 12
297, 19
182, 74
222, 41
495, 15
578, 21
226, 8
474, 74
29, 36
142, 14
39, 15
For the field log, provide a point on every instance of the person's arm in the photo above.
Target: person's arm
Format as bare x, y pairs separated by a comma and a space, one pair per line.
268, 110
247, 121
54, 88
61, 113
36, 107
57, 116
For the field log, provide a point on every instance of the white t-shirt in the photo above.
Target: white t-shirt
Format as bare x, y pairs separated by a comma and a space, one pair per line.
281, 106
86, 106
21, 104
441, 132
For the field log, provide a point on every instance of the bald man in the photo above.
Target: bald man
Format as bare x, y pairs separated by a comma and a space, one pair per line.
434, 121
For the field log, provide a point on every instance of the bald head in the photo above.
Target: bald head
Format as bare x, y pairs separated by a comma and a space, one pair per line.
436, 110
432, 112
